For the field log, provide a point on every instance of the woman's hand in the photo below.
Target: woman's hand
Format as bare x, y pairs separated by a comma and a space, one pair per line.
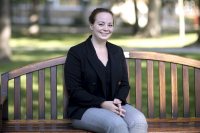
118, 103
109, 105
114, 106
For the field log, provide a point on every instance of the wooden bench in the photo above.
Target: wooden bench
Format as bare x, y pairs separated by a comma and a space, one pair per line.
165, 87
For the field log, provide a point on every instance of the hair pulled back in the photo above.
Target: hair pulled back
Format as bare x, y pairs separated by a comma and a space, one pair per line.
95, 12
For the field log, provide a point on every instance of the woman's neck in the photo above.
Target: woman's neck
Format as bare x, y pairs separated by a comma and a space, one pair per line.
98, 43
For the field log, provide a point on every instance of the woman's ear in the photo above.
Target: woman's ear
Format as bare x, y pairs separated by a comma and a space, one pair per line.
91, 26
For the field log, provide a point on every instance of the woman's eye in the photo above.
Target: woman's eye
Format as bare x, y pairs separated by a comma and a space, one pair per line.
110, 25
101, 24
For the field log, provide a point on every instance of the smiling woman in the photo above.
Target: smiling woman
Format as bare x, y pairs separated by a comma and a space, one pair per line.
97, 81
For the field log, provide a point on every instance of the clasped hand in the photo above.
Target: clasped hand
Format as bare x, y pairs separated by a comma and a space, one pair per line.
114, 106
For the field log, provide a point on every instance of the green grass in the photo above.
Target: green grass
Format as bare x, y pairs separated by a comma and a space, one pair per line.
64, 41
27, 50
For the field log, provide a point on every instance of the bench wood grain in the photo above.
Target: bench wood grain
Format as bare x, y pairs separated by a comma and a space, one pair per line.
172, 102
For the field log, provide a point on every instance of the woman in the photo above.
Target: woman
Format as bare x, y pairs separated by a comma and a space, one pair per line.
97, 82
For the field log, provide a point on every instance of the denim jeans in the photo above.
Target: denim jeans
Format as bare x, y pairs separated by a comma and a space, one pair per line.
100, 120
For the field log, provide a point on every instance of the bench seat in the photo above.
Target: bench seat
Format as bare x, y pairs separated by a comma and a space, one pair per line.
186, 125
40, 126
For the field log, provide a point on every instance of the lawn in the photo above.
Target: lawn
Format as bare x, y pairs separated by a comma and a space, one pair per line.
31, 49
27, 50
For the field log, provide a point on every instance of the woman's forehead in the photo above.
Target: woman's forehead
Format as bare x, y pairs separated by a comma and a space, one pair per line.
104, 16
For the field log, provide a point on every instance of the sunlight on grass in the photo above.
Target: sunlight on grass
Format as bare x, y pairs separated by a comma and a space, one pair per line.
49, 41
64, 42
166, 41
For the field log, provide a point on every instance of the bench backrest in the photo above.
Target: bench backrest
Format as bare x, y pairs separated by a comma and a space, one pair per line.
162, 85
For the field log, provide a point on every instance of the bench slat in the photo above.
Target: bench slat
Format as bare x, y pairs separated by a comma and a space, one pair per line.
128, 71
197, 91
186, 98
162, 86
29, 96
17, 99
65, 96
41, 103
150, 85
53, 92
174, 90
138, 83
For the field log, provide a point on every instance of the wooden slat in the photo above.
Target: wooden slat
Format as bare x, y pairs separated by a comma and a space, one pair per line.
41, 94
162, 86
29, 96
138, 84
150, 85
174, 90
186, 98
128, 71
65, 95
4, 94
197, 92
17, 99
53, 93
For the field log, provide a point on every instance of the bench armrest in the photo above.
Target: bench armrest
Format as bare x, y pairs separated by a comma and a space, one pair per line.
2, 101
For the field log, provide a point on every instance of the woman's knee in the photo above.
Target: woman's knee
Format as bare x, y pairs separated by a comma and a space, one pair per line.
117, 126
140, 121
135, 119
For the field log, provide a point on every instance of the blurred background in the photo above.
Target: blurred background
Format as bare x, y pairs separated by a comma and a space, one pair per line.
34, 30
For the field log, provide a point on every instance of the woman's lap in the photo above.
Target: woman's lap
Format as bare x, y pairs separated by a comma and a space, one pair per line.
102, 120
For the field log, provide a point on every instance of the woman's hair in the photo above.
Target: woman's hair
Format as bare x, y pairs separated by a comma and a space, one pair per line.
95, 12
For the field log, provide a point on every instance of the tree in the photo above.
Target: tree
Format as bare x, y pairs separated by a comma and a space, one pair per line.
5, 29
135, 26
34, 18
198, 40
153, 28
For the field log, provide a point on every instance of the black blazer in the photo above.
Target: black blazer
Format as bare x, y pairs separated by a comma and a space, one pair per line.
85, 81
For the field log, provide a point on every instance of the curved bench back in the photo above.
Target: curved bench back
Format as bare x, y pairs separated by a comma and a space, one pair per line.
162, 85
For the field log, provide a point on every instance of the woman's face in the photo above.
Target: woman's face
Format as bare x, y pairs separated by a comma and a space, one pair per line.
102, 28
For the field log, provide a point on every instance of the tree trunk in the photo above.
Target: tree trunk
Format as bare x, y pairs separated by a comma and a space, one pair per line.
198, 41
135, 26
34, 18
153, 28
5, 29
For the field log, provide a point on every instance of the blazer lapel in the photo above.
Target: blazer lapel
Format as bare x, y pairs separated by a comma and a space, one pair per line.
92, 57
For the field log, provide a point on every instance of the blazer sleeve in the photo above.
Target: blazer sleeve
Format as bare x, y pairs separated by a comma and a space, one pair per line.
124, 87
74, 82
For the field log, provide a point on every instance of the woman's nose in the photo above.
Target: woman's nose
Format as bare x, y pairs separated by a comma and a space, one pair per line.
105, 27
